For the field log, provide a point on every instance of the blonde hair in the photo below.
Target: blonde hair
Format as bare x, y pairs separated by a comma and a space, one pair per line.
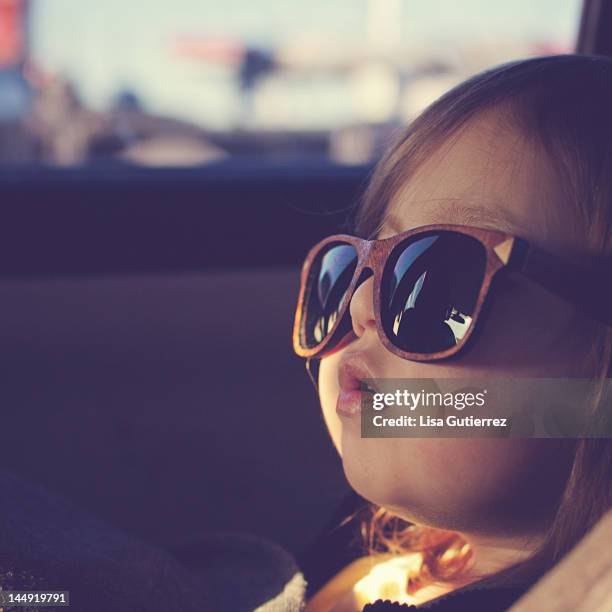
443, 555
564, 103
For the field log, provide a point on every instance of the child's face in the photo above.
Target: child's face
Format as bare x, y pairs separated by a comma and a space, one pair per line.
489, 176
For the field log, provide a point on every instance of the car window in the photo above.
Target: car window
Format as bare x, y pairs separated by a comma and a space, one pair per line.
194, 81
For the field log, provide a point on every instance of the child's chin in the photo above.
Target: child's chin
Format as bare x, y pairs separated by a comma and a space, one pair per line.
365, 482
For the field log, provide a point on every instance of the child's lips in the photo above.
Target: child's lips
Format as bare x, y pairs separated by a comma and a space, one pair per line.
349, 403
352, 371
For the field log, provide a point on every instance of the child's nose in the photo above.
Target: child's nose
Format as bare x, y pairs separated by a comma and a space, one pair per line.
362, 307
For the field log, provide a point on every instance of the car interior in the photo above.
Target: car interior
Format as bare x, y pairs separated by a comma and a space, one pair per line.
147, 370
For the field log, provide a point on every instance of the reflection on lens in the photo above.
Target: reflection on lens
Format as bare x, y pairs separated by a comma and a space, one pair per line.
430, 289
330, 277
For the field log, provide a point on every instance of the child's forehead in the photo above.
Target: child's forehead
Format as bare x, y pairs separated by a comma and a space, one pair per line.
485, 176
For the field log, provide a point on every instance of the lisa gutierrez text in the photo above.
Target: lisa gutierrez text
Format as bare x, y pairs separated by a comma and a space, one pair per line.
428, 421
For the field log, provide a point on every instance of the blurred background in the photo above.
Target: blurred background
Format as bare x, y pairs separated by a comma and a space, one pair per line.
164, 167
193, 81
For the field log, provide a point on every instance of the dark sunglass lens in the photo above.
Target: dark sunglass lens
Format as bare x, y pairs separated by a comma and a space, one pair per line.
330, 277
430, 289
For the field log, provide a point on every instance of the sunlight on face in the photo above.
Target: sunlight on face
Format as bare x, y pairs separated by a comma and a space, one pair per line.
489, 176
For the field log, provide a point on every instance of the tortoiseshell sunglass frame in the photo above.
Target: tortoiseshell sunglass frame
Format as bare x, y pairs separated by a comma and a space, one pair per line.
503, 252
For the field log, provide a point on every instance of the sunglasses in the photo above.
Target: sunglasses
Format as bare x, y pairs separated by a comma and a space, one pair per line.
432, 288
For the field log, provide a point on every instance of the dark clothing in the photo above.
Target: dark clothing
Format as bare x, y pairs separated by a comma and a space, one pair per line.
48, 544
468, 599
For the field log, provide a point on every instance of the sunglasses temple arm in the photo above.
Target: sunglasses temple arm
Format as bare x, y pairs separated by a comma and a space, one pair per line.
583, 288
312, 368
